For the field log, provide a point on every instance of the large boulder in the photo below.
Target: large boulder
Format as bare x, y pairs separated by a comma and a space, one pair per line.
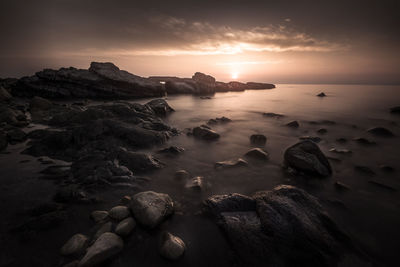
160, 107
282, 227
105, 247
101, 80
306, 157
151, 208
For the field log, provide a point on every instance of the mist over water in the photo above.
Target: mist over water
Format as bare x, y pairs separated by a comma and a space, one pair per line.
368, 213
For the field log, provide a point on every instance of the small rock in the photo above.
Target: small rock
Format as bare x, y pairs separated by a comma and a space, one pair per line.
4, 95
341, 186
231, 164
322, 94
125, 200
181, 175
3, 141
99, 215
151, 208
258, 139
106, 227
76, 245
125, 227
340, 151
119, 213
364, 141
257, 153
380, 131
387, 168
16, 135
105, 247
273, 115
322, 131
293, 124
221, 120
196, 183
315, 139
172, 150
205, 133
381, 185
341, 140
172, 247
395, 110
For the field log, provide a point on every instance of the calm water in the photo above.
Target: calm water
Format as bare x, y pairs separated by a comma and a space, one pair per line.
368, 213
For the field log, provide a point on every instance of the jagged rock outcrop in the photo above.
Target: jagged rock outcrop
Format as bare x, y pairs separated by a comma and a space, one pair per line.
101, 80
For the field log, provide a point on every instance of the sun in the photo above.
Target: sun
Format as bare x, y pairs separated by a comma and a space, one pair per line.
235, 75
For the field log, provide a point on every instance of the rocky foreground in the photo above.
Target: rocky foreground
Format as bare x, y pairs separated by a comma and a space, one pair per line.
107, 81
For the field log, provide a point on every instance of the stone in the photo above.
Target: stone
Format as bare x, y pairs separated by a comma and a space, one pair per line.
273, 115
172, 150
381, 132
282, 227
231, 164
104, 228
181, 175
306, 157
105, 247
74, 263
258, 139
4, 95
387, 168
293, 124
196, 183
16, 135
172, 247
125, 226
364, 170
204, 133
160, 107
395, 110
341, 186
315, 139
257, 153
150, 208
341, 140
76, 245
322, 131
364, 141
221, 120
340, 151
322, 94
99, 216
3, 141
39, 104
382, 185
125, 200
119, 213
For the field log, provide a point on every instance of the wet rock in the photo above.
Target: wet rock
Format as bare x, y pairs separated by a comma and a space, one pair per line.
99, 216
364, 170
125, 200
341, 186
125, 227
364, 141
57, 171
172, 247
4, 95
160, 107
258, 139
71, 194
315, 139
340, 151
341, 140
282, 227
150, 208
293, 124
38, 104
76, 245
380, 131
306, 157
322, 131
205, 97
3, 141
322, 94
181, 175
196, 183
172, 150
220, 120
387, 168
382, 185
273, 115
205, 133
257, 153
119, 213
231, 164
137, 161
16, 136
395, 110
105, 247
101, 229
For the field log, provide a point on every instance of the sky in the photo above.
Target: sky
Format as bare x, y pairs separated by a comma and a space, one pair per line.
298, 41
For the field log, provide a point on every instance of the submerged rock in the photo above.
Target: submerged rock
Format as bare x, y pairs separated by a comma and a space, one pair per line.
257, 153
322, 131
341, 186
364, 170
172, 247
306, 157
181, 175
172, 150
220, 120
380, 131
258, 139
315, 139
273, 115
196, 183
282, 227
395, 110
364, 141
151, 208
293, 124
340, 151
231, 164
105, 247
76, 245
205, 133
322, 94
